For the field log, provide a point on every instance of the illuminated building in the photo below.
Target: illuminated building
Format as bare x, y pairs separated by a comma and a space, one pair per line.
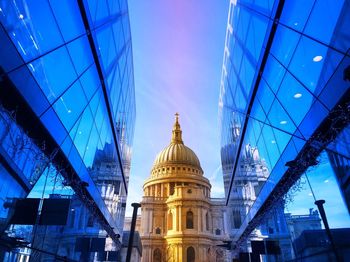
179, 220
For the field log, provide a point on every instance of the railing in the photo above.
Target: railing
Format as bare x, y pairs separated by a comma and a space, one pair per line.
154, 198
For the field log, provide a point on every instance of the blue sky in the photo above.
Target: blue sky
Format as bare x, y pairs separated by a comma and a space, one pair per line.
178, 50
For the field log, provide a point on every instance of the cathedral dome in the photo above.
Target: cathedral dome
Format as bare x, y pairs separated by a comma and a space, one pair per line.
177, 153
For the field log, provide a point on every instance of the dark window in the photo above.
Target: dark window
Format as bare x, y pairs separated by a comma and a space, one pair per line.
157, 255
217, 231
72, 218
158, 231
90, 222
172, 186
236, 219
189, 219
191, 256
207, 221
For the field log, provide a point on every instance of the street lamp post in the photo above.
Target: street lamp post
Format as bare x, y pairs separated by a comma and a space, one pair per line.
132, 230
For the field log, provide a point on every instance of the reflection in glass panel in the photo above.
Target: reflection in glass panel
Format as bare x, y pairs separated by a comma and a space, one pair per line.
296, 13
310, 56
53, 82
323, 19
293, 95
31, 26
283, 46
68, 107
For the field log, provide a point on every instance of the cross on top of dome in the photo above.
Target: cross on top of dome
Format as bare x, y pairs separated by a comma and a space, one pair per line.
177, 133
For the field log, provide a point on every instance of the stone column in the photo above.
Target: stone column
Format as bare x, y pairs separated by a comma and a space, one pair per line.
199, 225
176, 218
225, 222
180, 218
150, 221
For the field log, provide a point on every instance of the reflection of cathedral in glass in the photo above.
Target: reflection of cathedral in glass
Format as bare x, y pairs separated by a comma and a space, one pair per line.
82, 227
252, 173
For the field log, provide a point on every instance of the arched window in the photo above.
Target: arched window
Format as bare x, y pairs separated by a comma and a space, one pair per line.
217, 231
191, 256
207, 221
157, 255
189, 219
158, 231
170, 221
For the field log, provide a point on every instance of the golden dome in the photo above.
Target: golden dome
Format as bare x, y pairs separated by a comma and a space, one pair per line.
177, 153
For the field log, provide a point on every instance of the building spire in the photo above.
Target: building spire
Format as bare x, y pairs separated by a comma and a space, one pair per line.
177, 133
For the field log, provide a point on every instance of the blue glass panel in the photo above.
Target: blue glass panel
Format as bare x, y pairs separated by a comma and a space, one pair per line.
95, 101
256, 35
90, 81
68, 17
126, 28
309, 57
296, 13
247, 74
264, 152
284, 44
105, 134
101, 12
282, 139
340, 39
30, 90
101, 113
293, 95
237, 56
280, 119
9, 57
257, 111
270, 142
123, 5
263, 6
336, 86
265, 96
313, 119
81, 54
91, 147
113, 7
9, 188
92, 7
75, 159
118, 36
106, 46
70, 105
323, 19
31, 26
244, 20
82, 134
54, 126
54, 72
67, 145
273, 73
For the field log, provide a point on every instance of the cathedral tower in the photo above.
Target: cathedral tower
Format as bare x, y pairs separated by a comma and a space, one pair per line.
179, 220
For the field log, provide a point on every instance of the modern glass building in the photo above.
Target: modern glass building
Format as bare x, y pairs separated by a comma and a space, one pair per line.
67, 113
284, 110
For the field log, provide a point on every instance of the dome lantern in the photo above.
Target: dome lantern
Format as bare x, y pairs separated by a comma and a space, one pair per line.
177, 153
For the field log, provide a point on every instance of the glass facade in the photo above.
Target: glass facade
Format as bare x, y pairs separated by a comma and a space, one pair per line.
67, 114
284, 107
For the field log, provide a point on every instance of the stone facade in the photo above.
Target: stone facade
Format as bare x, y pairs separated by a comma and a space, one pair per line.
179, 220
